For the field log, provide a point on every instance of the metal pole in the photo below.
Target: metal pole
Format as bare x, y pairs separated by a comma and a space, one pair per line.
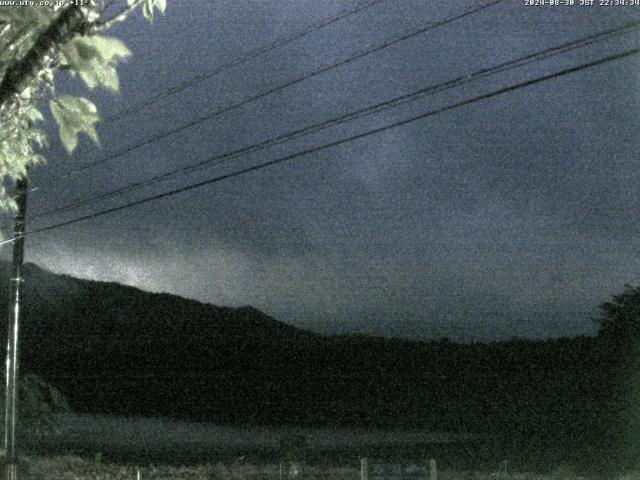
364, 470
433, 470
15, 293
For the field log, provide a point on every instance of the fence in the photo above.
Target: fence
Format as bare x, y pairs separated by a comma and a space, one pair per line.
371, 469
384, 471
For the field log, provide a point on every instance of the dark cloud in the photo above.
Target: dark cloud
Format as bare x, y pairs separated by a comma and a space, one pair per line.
512, 216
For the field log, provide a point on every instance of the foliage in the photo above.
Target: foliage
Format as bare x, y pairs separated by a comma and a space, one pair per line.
620, 319
30, 58
39, 403
620, 341
74, 115
292, 445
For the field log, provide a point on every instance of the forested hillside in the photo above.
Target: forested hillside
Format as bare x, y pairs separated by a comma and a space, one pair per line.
118, 350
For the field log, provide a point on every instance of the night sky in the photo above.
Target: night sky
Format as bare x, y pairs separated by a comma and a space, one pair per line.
512, 216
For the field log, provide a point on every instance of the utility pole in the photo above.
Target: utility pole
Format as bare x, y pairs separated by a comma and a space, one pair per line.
15, 293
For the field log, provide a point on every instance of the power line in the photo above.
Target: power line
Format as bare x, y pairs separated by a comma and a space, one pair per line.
335, 143
258, 52
372, 109
269, 91
226, 66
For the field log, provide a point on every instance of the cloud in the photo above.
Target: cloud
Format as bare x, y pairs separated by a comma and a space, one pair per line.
511, 216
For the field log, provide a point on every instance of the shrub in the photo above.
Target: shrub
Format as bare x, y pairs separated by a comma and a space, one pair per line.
39, 403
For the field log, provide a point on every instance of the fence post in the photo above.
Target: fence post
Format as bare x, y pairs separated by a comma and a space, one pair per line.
433, 470
281, 471
364, 473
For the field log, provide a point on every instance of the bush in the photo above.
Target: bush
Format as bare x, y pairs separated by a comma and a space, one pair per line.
39, 403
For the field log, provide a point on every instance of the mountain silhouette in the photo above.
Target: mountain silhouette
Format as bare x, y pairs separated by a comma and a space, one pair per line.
116, 349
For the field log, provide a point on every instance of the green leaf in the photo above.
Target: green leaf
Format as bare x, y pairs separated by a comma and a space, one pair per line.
109, 48
85, 51
32, 114
161, 5
74, 115
101, 74
147, 10
93, 58
82, 52
48, 76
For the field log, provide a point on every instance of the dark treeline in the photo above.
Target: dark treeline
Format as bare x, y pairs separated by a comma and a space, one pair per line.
117, 350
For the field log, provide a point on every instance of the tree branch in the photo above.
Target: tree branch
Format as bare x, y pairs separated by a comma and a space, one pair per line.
5, 29
70, 22
101, 26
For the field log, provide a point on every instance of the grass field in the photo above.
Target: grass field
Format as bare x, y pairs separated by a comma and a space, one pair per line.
70, 467
144, 441
94, 447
